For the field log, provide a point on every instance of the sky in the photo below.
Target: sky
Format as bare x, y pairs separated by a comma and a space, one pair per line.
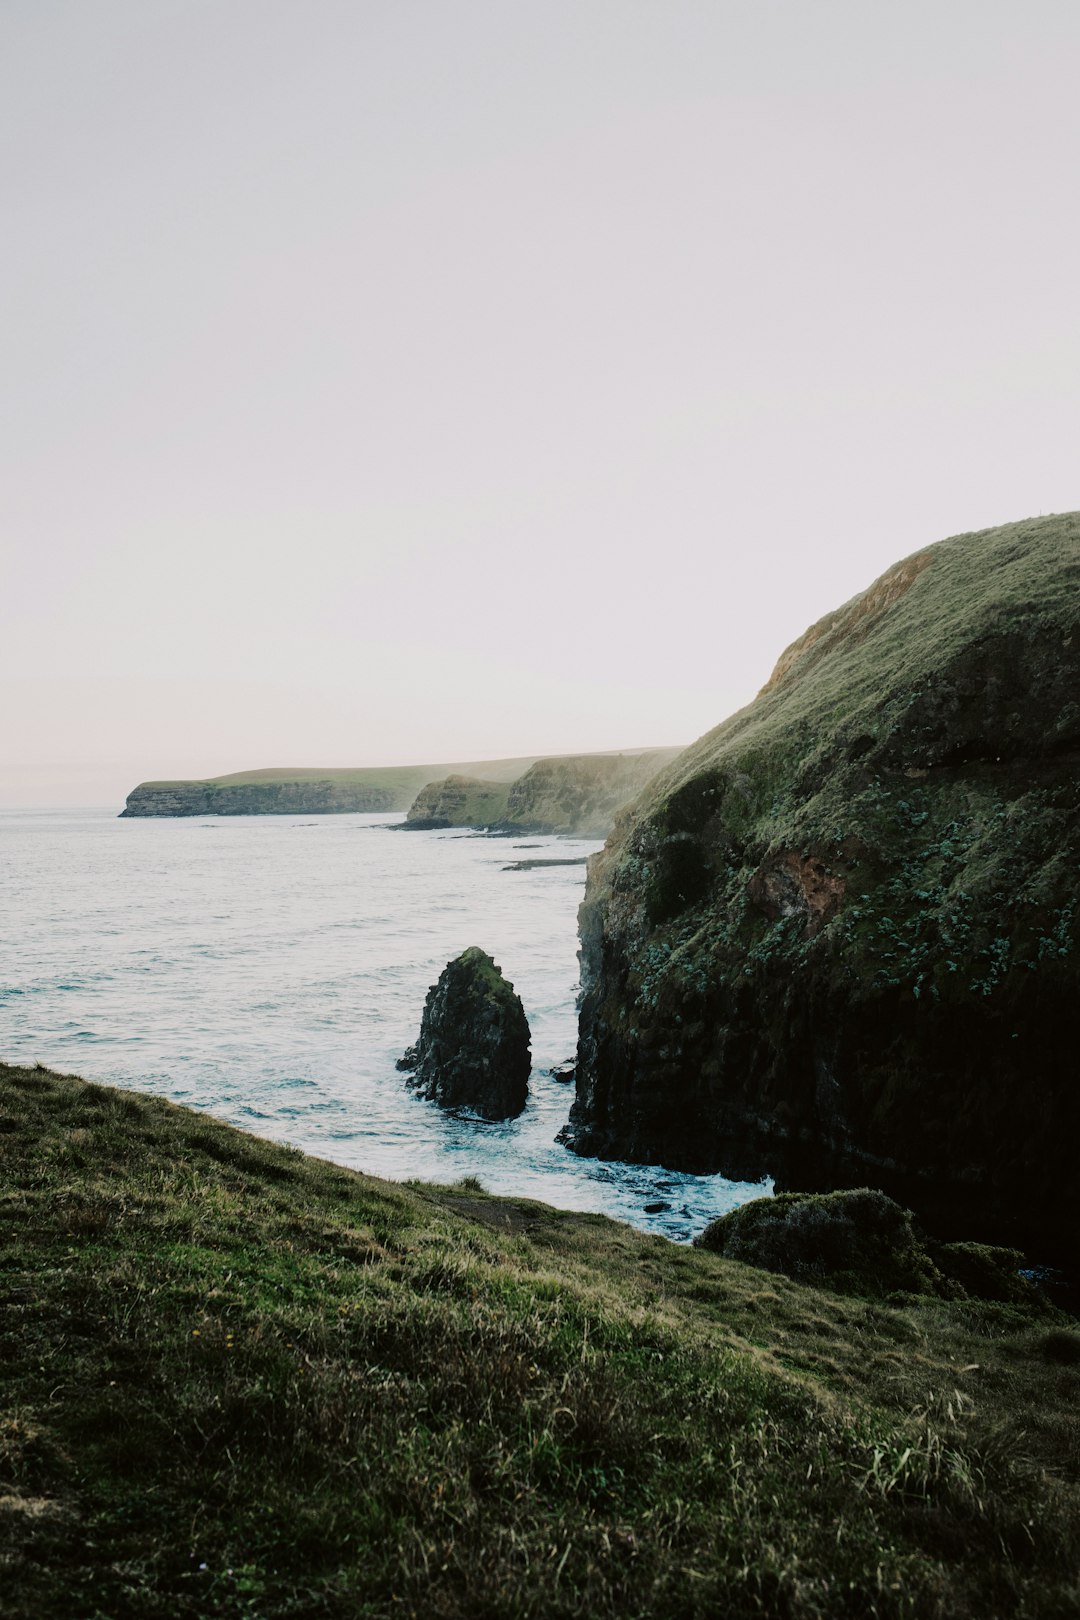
393, 381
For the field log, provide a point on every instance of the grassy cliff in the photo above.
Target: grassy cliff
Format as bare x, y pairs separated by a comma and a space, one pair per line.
838, 938
458, 801
241, 1382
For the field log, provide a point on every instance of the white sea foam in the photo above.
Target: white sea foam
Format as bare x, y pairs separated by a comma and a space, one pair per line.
270, 969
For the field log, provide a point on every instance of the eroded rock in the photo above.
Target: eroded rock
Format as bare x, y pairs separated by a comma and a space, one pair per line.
473, 1050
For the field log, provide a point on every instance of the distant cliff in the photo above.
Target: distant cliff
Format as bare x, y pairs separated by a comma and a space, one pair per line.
837, 941
581, 794
578, 794
458, 801
304, 792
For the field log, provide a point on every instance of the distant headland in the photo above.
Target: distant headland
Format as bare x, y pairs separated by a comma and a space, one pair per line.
575, 793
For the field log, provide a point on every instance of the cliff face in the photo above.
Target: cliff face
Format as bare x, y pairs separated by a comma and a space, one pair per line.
458, 801
837, 940
581, 794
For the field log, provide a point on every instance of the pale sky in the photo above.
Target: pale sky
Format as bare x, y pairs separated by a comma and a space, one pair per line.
408, 380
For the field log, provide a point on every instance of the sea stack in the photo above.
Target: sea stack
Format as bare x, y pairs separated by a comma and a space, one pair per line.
473, 1050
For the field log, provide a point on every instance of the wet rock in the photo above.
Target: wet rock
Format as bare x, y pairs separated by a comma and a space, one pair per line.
564, 1072
473, 1050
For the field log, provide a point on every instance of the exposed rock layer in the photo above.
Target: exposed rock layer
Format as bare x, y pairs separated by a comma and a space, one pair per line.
836, 941
473, 1050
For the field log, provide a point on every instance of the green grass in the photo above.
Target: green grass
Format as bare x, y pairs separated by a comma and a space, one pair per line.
242, 1382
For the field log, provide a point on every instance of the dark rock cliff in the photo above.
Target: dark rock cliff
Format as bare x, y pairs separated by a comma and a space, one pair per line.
473, 1050
837, 940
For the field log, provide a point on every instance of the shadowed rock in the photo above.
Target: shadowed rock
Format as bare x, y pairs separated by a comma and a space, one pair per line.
861, 1242
473, 1050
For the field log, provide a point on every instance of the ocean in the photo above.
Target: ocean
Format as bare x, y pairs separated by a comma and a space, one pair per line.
271, 969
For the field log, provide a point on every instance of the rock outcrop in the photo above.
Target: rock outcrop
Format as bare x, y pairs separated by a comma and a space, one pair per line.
862, 1242
473, 1050
837, 940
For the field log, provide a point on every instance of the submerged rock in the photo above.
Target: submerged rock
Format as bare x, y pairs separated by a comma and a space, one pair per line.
473, 1050
837, 940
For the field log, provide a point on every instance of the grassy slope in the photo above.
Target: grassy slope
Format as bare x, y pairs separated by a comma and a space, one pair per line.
956, 592
243, 1382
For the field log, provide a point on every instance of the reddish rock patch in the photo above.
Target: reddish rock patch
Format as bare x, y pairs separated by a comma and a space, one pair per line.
789, 885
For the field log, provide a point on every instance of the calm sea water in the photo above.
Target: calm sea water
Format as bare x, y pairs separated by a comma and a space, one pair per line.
271, 969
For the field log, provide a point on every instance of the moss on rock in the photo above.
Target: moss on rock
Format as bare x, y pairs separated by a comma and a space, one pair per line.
861, 1242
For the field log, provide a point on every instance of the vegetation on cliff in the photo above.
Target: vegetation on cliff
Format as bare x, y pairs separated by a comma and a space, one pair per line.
242, 1382
837, 938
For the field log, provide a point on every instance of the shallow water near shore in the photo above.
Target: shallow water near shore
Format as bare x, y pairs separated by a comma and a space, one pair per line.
270, 969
